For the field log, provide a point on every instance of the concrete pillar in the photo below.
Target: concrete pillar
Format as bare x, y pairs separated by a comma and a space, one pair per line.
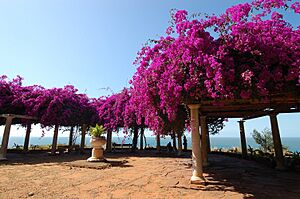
197, 177
158, 142
179, 143
243, 139
71, 139
27, 137
54, 141
109, 140
141, 139
5, 137
83, 133
203, 125
277, 142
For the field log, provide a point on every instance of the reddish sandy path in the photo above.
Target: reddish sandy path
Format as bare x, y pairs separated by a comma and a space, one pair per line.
142, 177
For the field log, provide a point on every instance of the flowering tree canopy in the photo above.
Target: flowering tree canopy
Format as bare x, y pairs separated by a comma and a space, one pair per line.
255, 54
117, 112
56, 106
9, 94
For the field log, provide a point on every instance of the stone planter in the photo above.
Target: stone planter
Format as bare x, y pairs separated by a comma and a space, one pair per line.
97, 152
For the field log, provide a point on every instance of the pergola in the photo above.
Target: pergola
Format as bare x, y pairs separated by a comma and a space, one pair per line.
245, 109
9, 121
5, 138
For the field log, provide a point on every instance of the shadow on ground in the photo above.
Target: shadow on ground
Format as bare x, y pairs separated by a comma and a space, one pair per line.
251, 179
225, 174
38, 157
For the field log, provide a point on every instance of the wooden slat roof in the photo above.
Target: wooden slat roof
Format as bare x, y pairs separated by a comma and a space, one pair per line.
249, 109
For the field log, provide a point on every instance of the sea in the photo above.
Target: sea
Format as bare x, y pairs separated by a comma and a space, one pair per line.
293, 143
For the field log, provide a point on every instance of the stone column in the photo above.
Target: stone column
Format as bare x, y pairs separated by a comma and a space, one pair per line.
179, 143
158, 142
203, 125
277, 142
83, 132
5, 138
197, 177
27, 137
71, 139
109, 138
141, 139
243, 139
54, 141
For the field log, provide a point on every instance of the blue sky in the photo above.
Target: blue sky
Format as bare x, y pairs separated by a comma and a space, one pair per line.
92, 43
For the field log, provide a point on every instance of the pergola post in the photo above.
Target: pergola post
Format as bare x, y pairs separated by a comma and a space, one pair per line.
277, 142
83, 132
158, 142
109, 138
54, 141
135, 138
71, 139
197, 177
27, 137
173, 136
203, 125
208, 142
243, 139
142, 139
5, 137
179, 143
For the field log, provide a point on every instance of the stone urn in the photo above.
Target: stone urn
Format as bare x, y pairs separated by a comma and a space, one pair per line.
97, 152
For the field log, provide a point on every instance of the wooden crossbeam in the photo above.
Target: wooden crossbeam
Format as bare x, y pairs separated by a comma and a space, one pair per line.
249, 109
18, 116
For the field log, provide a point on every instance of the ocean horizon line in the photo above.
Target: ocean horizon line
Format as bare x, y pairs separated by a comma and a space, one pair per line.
154, 136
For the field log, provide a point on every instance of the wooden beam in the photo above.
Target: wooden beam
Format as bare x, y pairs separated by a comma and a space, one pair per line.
18, 116
285, 99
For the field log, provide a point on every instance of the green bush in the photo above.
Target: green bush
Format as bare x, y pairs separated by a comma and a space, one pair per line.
265, 140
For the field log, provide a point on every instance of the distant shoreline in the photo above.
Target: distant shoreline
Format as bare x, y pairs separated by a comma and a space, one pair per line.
293, 143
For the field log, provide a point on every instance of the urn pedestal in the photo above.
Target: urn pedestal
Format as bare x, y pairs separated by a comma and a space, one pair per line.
97, 152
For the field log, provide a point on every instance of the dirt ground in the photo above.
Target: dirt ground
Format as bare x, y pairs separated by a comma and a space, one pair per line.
140, 175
